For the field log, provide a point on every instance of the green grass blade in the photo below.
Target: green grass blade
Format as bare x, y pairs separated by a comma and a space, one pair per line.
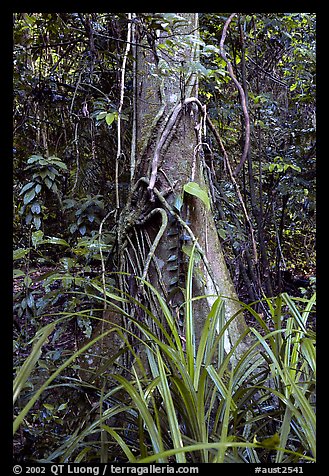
82, 453
220, 385
277, 367
210, 446
294, 311
308, 351
170, 409
189, 324
95, 427
121, 442
139, 402
284, 433
309, 424
18, 420
308, 308
225, 423
208, 337
169, 319
29, 364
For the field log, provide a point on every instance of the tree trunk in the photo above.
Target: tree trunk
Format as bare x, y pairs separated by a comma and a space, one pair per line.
159, 218
170, 152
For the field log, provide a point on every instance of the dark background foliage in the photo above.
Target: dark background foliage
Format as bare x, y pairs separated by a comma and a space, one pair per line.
66, 83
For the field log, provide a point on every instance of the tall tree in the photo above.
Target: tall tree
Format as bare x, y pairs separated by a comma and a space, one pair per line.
169, 208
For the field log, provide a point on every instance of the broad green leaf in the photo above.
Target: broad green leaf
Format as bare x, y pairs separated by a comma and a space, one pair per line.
34, 158
187, 249
295, 167
29, 20
222, 233
35, 208
18, 254
194, 188
82, 229
109, 118
56, 161
37, 222
48, 182
41, 173
37, 238
271, 442
44, 162
53, 240
101, 115
17, 273
29, 196
26, 187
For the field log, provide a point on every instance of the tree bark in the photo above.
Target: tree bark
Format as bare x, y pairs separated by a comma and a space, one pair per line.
180, 161
159, 217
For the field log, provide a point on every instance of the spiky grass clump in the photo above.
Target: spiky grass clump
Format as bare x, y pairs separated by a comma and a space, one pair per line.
184, 402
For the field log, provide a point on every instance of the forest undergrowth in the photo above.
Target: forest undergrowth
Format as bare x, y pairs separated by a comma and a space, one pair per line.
177, 401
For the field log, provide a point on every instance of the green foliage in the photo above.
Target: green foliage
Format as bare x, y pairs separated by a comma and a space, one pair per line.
88, 213
214, 412
46, 173
182, 401
64, 97
273, 58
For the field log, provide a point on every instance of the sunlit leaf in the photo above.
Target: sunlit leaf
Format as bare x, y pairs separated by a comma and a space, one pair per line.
272, 442
20, 253
56, 241
109, 118
194, 188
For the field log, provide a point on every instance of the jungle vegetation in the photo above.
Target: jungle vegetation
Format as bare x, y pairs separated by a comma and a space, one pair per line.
164, 237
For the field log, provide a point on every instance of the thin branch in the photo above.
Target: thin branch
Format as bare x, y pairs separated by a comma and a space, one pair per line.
269, 75
100, 230
242, 97
103, 272
236, 186
77, 157
134, 115
122, 86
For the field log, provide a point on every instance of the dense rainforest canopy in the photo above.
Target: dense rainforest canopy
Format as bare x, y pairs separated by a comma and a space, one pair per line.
104, 232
